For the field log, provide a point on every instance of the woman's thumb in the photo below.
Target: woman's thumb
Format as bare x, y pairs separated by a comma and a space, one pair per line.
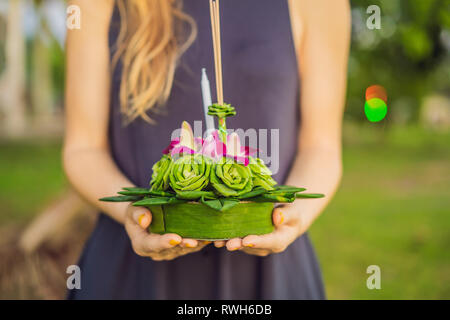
142, 217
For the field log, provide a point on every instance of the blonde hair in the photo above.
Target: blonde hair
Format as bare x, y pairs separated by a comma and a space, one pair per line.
152, 37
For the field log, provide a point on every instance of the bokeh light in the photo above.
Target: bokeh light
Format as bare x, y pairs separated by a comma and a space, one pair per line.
376, 91
375, 107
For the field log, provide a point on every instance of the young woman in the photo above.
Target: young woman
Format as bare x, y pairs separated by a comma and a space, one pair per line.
133, 72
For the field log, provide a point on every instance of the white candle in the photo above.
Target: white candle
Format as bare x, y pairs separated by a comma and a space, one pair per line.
207, 101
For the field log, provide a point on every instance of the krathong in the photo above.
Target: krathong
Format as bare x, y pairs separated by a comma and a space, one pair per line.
211, 188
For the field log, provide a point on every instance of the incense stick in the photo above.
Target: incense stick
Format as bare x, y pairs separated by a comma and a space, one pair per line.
215, 27
219, 52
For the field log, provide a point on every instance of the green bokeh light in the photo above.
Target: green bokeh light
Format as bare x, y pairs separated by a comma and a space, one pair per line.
375, 109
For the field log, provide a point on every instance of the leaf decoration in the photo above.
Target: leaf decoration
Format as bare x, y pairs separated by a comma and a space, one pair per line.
287, 189
137, 189
120, 199
162, 193
160, 175
152, 201
214, 204
217, 172
309, 195
194, 195
254, 193
228, 203
281, 194
231, 179
135, 192
190, 173
287, 197
221, 111
262, 176
157, 201
222, 204
176, 201
145, 192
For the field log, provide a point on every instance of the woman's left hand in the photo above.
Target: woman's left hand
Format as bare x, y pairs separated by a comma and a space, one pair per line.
288, 227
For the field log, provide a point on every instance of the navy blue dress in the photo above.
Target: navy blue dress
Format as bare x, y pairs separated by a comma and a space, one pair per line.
261, 80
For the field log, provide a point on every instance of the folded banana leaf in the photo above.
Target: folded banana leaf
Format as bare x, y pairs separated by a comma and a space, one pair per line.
197, 221
206, 214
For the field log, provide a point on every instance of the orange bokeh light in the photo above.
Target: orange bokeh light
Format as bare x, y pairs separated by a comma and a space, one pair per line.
376, 91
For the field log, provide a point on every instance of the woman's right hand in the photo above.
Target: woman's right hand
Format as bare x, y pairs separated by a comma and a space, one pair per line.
157, 247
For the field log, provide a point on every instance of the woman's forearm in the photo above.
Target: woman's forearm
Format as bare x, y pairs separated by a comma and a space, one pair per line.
320, 171
93, 174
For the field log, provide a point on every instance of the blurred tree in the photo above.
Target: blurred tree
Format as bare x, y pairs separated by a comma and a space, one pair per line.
407, 56
41, 80
12, 84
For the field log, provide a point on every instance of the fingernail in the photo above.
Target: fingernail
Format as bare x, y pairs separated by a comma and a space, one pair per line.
208, 242
188, 245
233, 249
251, 245
281, 217
174, 242
141, 217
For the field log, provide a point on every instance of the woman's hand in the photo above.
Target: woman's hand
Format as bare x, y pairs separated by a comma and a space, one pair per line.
288, 227
157, 247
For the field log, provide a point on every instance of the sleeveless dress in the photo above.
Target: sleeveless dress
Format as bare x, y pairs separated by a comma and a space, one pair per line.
261, 80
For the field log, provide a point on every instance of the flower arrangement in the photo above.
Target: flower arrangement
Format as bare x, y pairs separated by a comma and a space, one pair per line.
211, 188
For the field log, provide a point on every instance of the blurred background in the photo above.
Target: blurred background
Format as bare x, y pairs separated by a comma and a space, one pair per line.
393, 207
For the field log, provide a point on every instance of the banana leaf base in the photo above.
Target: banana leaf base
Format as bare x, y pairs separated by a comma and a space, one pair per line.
197, 221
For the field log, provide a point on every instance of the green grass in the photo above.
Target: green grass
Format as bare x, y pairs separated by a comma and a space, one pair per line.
30, 177
392, 209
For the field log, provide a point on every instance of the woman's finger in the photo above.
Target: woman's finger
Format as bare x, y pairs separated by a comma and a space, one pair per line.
285, 216
200, 246
275, 241
181, 250
156, 243
189, 243
177, 251
278, 217
234, 244
219, 243
135, 231
142, 217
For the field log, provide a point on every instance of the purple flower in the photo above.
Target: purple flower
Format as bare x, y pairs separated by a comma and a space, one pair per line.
212, 147
235, 150
185, 144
